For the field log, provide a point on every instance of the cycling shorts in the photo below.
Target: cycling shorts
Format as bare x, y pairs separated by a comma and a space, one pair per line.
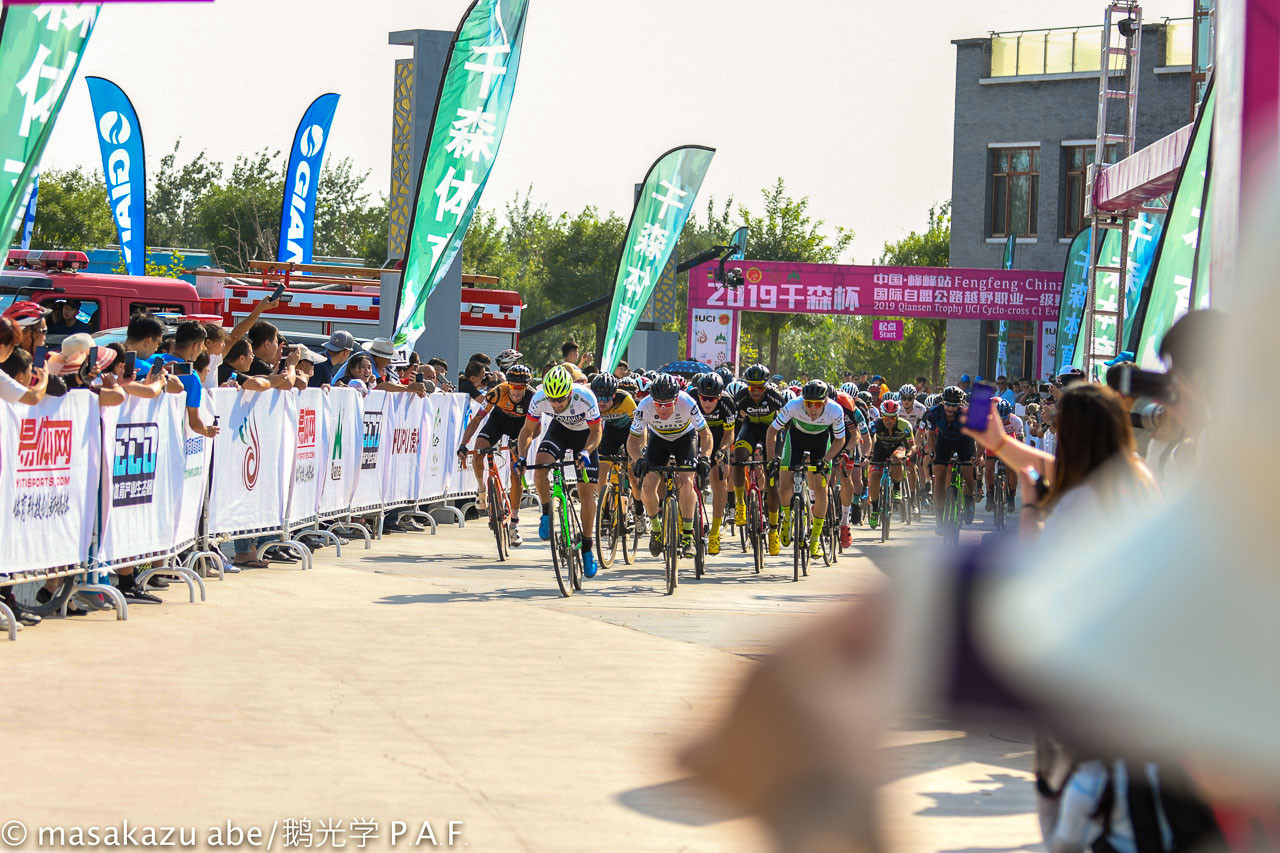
751, 435
613, 442
560, 440
660, 451
944, 447
799, 443
498, 425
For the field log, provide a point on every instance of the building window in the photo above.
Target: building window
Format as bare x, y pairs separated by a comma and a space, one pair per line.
1021, 354
1078, 158
1015, 191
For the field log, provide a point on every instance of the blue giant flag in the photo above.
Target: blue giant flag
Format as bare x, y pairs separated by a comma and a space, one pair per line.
29, 217
298, 213
120, 139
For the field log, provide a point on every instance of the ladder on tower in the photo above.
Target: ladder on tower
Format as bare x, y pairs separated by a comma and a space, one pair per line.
1104, 311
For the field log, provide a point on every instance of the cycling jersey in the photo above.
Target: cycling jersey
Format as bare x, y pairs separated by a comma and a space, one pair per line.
888, 439
619, 414
853, 417
1012, 428
761, 412
499, 400
936, 420
913, 413
684, 417
793, 414
724, 415
581, 412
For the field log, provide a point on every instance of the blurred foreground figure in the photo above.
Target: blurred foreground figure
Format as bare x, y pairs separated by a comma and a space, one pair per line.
1142, 638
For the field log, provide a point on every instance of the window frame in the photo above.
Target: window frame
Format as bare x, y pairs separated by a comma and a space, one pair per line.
1071, 228
1007, 176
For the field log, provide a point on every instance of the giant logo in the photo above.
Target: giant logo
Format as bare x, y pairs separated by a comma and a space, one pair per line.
133, 472
310, 142
44, 445
116, 130
372, 440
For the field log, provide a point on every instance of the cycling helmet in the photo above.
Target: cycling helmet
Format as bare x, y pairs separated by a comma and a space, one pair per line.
815, 389
931, 401
725, 374
953, 395
558, 383
519, 374
756, 374
865, 396
890, 395
735, 387
682, 382
709, 385
793, 390
665, 388
889, 408
629, 384
508, 357
907, 391
1005, 408
832, 391
846, 401
849, 388
642, 385
604, 386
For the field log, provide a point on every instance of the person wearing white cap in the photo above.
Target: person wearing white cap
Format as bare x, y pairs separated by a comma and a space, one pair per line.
381, 351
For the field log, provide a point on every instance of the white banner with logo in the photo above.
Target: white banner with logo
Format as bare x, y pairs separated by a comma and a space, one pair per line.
252, 459
372, 458
310, 455
435, 455
49, 470
462, 479
405, 416
711, 335
197, 451
342, 465
142, 476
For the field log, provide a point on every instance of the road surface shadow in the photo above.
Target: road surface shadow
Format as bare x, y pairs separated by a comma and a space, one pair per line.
1008, 798
681, 801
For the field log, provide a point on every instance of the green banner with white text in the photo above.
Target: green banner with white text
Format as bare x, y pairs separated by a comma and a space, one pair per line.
1002, 327
665, 200
1075, 295
466, 132
40, 50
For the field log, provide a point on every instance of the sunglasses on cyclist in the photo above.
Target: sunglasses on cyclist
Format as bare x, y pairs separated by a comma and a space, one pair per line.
709, 399
658, 404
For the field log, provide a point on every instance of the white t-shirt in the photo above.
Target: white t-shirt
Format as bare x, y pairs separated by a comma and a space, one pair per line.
831, 417
580, 414
11, 390
211, 378
686, 416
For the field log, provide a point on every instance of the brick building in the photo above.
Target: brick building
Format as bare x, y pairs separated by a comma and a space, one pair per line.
1025, 128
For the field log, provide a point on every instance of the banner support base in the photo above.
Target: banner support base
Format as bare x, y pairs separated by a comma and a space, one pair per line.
106, 589
10, 621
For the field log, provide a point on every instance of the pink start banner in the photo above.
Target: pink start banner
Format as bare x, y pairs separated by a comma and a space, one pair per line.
886, 330
961, 294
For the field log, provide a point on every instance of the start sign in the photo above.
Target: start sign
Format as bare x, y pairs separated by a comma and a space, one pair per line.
887, 330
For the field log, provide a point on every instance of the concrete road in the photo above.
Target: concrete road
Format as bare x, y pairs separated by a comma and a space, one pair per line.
423, 681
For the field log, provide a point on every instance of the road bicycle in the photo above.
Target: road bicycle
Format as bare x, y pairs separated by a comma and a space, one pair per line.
615, 519
835, 514
500, 513
884, 507
1001, 491
954, 503
753, 532
566, 529
671, 527
800, 523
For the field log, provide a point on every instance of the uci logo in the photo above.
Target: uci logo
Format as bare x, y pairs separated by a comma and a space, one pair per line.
116, 130
309, 145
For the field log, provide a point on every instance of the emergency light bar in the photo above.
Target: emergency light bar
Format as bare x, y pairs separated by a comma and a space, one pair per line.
42, 259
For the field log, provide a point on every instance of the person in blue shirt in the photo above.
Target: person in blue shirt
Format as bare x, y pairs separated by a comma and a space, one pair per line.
188, 344
1003, 391
66, 319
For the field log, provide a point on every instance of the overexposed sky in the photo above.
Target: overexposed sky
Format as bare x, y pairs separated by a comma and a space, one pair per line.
850, 101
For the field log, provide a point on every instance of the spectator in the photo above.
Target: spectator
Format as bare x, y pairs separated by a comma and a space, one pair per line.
1003, 391
358, 373
143, 336
72, 365
203, 366
623, 370
188, 344
569, 353
965, 383
472, 380
381, 352
264, 340
234, 370
1187, 350
66, 319
117, 365
922, 387
30, 319
307, 362
337, 350
215, 346
11, 390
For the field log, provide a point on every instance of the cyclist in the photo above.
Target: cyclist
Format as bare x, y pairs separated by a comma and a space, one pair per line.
814, 424
1012, 427
575, 427
857, 446
912, 411
758, 404
672, 421
892, 440
721, 415
945, 421
506, 406
616, 408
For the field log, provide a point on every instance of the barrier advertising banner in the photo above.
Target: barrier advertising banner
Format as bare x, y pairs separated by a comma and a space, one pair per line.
342, 456
197, 452
298, 211
124, 167
374, 439
310, 455
405, 413
252, 459
435, 454
49, 472
142, 479
466, 132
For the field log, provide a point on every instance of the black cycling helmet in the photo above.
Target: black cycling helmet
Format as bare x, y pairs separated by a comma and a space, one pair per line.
519, 374
756, 374
629, 384
604, 386
814, 389
725, 374
832, 391
953, 395
665, 388
865, 396
709, 385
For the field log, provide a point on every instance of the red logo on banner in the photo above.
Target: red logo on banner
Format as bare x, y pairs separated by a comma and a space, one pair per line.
44, 446
307, 428
724, 319
754, 275
404, 441
252, 455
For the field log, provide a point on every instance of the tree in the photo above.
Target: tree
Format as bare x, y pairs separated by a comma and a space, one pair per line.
240, 219
174, 196
72, 211
930, 249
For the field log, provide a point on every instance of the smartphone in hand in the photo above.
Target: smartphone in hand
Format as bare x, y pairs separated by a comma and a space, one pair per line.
182, 368
39, 357
156, 367
275, 295
130, 361
980, 406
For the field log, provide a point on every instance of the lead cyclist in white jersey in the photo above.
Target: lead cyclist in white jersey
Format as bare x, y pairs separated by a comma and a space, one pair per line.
812, 422
912, 410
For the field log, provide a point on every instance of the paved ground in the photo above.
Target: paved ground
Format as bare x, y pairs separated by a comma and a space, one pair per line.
422, 680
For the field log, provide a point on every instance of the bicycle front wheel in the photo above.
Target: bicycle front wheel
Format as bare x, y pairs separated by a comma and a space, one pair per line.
755, 531
607, 516
699, 539
561, 556
798, 550
498, 518
886, 509
671, 542
951, 517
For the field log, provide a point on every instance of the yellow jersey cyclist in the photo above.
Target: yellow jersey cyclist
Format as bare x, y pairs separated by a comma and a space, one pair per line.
503, 416
575, 427
722, 416
616, 408
758, 404
891, 440
814, 424
672, 422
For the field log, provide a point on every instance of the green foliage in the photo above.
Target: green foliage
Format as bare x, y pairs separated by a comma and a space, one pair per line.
173, 269
72, 212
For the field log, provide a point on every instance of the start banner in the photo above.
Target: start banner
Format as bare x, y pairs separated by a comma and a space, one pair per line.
49, 466
142, 477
